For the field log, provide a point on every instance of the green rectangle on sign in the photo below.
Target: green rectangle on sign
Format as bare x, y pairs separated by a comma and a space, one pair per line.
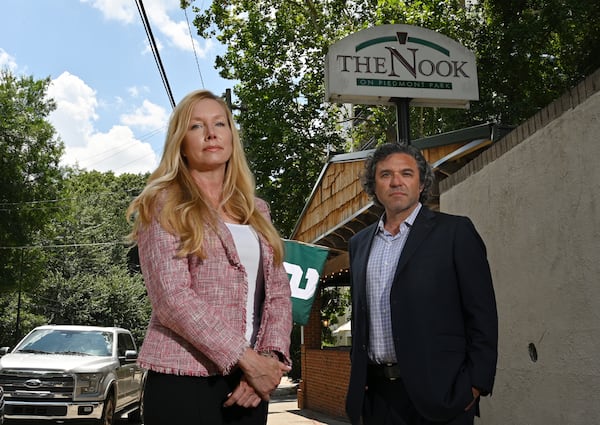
374, 82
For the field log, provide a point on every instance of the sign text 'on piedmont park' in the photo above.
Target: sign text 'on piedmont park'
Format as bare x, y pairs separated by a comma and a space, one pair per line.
379, 64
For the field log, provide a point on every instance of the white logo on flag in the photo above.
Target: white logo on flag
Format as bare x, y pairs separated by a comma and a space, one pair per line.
311, 276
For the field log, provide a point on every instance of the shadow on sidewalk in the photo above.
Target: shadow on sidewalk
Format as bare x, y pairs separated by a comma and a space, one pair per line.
283, 410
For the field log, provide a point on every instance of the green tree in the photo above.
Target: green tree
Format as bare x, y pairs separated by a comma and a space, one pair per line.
86, 279
89, 280
113, 298
529, 52
9, 334
62, 231
335, 301
90, 233
274, 49
30, 177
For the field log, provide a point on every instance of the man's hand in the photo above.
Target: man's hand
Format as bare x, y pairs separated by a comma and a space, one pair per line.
243, 395
476, 394
261, 372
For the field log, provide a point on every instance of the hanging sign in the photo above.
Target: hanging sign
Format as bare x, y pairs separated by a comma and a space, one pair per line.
376, 65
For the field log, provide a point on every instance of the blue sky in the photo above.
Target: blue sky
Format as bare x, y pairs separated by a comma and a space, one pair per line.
112, 107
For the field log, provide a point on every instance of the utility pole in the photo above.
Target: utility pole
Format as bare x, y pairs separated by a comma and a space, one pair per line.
228, 99
18, 324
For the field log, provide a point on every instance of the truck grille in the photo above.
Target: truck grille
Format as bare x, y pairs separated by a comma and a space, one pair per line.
43, 385
36, 410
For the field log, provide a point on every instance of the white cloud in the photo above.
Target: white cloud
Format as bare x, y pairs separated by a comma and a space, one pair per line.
136, 91
177, 32
117, 150
76, 108
118, 10
7, 61
149, 116
159, 14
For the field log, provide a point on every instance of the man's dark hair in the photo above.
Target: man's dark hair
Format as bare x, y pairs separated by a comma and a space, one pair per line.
382, 152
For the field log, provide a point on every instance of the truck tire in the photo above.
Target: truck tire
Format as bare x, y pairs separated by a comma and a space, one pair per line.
108, 415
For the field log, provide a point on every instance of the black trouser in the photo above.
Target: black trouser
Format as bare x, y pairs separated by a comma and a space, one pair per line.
387, 403
191, 400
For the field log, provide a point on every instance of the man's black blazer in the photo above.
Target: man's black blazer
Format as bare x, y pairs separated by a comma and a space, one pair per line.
444, 318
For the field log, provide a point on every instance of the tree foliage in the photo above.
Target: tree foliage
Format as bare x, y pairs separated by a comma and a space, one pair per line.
86, 277
91, 230
21, 304
29, 171
88, 280
528, 52
275, 51
63, 254
113, 298
531, 51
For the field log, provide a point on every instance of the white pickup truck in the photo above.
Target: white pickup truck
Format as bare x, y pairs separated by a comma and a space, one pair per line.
64, 372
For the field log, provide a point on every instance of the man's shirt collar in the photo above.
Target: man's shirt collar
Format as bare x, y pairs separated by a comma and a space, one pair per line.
408, 222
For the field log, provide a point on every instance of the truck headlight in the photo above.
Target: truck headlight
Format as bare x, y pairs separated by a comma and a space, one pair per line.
88, 383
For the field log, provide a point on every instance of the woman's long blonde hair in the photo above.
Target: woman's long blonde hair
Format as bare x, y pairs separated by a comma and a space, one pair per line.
183, 209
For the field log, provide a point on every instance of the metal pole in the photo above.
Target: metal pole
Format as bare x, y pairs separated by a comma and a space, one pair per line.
402, 120
18, 330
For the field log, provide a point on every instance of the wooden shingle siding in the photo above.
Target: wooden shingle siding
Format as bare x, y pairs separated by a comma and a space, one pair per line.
338, 197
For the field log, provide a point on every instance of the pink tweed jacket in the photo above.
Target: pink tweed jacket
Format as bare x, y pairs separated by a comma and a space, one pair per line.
198, 317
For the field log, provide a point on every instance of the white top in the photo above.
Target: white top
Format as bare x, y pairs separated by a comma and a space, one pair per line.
248, 249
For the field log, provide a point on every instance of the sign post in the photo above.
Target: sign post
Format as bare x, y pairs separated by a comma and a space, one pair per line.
402, 120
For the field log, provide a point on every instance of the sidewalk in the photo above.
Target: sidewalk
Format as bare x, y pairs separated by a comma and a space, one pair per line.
283, 409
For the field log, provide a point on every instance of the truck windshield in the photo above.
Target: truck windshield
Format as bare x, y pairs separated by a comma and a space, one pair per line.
73, 342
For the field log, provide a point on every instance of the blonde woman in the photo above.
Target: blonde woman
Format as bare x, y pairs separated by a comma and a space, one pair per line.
218, 340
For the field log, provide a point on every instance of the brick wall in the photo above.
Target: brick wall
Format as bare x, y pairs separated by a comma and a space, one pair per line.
325, 372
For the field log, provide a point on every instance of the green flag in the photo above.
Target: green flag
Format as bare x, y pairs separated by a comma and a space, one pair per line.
304, 264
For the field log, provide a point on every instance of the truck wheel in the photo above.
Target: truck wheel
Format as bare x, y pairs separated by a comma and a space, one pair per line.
108, 416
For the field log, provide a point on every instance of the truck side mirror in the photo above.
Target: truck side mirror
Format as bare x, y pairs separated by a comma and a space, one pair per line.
131, 355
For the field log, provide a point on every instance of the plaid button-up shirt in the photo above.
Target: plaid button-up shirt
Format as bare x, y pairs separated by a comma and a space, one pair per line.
383, 260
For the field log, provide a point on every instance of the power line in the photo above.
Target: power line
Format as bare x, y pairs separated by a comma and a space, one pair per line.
5, 205
99, 157
155, 52
73, 245
44, 201
194, 47
133, 161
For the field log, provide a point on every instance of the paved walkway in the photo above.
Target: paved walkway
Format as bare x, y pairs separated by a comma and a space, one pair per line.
283, 409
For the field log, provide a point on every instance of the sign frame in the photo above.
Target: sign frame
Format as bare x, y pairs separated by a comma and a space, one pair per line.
381, 64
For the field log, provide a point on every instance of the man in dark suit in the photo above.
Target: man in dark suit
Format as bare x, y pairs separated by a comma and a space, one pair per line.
424, 319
